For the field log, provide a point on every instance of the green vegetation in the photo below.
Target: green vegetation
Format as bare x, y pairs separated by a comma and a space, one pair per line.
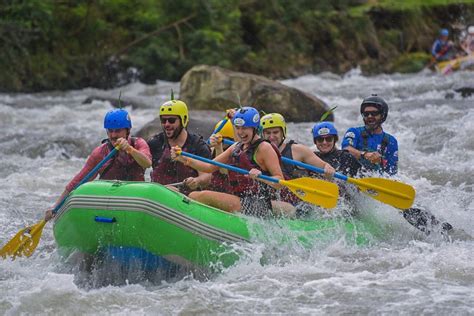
50, 44
402, 5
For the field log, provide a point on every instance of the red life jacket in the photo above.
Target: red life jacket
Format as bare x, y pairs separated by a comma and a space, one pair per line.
220, 182
290, 172
245, 159
122, 166
165, 170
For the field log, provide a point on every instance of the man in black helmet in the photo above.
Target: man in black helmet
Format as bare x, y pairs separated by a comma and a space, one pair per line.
375, 149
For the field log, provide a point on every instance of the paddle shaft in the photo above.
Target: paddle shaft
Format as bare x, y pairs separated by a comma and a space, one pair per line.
232, 168
87, 177
177, 184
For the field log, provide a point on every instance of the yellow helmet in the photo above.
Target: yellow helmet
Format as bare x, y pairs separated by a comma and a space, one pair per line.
273, 120
176, 107
227, 130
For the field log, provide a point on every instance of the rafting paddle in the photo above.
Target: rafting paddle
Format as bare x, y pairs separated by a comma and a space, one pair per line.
26, 240
315, 191
388, 191
397, 194
394, 193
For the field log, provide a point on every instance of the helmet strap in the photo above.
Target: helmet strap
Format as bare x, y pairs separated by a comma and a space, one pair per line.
254, 132
281, 143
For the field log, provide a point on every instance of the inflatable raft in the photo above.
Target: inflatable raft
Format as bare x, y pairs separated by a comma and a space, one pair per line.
160, 228
459, 63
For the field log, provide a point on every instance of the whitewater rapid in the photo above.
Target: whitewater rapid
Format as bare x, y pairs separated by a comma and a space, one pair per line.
47, 137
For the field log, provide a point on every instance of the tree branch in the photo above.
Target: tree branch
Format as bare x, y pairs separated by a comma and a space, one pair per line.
180, 41
156, 32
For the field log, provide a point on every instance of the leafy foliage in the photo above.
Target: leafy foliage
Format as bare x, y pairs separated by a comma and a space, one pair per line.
53, 44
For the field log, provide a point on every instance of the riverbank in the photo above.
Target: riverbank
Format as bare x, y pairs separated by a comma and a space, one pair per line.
50, 46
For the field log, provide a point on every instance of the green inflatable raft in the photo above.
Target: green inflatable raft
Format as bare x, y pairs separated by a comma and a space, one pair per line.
162, 228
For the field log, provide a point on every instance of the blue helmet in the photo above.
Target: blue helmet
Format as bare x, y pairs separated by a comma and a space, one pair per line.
444, 32
246, 117
324, 129
117, 118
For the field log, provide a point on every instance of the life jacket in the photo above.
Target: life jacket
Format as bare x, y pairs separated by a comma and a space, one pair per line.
365, 147
291, 171
122, 166
287, 168
342, 161
245, 159
220, 182
165, 170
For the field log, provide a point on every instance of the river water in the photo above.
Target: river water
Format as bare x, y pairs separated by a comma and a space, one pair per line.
47, 136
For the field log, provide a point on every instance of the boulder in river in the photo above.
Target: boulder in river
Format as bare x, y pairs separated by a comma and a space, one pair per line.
214, 88
116, 102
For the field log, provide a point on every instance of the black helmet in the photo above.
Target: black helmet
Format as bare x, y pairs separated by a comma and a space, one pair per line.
378, 102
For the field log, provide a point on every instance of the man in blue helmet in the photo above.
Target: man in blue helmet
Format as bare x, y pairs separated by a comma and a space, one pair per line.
375, 149
128, 164
325, 138
442, 48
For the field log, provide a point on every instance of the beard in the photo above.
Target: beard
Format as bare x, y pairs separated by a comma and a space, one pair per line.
372, 124
175, 132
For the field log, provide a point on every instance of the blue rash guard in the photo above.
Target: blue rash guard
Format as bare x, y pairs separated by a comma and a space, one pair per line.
384, 143
440, 47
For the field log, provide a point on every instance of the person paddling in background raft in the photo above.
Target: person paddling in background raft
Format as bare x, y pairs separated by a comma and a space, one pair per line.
174, 119
248, 195
467, 44
128, 164
325, 138
375, 149
442, 48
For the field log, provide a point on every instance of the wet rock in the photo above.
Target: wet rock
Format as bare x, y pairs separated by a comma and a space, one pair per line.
465, 91
116, 103
215, 88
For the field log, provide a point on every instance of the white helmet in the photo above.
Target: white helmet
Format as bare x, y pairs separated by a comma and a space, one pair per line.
470, 29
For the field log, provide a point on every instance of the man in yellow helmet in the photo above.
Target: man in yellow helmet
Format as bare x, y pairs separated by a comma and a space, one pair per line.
174, 118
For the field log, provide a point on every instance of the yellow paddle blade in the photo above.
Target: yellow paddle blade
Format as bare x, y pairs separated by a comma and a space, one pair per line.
397, 194
315, 191
25, 241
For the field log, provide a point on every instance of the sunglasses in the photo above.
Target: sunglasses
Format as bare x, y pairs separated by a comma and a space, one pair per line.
327, 139
370, 113
172, 120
